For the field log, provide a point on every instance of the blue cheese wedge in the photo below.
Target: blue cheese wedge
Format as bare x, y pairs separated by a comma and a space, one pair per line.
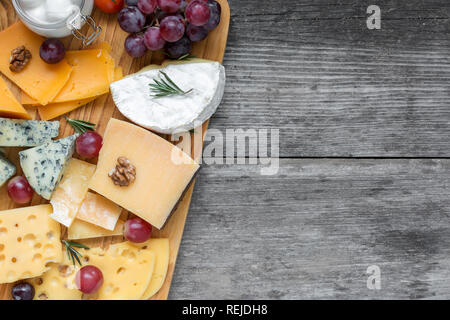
7, 169
43, 166
205, 81
26, 133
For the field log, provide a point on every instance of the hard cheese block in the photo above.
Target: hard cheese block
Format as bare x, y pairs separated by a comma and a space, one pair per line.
163, 172
93, 71
9, 106
160, 247
26, 133
43, 166
71, 191
84, 230
40, 80
29, 240
7, 169
54, 110
100, 211
127, 272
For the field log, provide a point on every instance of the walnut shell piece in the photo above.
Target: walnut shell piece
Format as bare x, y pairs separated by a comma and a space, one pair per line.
124, 173
19, 59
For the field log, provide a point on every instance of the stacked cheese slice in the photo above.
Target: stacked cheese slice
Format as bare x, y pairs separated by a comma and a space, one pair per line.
81, 77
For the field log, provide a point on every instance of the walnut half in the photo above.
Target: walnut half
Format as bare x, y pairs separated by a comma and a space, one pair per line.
19, 59
124, 173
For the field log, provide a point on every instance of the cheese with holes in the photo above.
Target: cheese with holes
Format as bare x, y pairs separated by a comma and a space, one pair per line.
43, 166
9, 106
26, 133
40, 80
54, 110
84, 230
100, 211
127, 272
203, 79
163, 172
93, 71
160, 247
71, 191
29, 240
7, 169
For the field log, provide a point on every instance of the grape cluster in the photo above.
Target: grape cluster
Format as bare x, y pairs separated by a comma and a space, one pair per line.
171, 25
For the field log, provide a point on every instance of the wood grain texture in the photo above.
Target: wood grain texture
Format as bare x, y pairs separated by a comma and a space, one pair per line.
103, 108
312, 231
335, 88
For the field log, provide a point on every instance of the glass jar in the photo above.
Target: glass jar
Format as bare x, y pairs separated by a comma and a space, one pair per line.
78, 17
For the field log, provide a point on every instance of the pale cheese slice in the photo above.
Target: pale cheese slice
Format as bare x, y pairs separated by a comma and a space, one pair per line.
29, 240
100, 211
85, 230
71, 191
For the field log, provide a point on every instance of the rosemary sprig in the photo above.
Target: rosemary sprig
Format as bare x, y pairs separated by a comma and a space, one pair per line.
81, 126
187, 56
165, 87
72, 253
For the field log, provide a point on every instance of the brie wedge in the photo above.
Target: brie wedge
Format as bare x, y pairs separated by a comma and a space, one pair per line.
173, 113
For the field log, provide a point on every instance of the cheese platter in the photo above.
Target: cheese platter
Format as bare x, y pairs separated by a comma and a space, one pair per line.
92, 205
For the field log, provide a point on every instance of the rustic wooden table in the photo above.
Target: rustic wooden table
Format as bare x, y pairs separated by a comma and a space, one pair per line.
364, 120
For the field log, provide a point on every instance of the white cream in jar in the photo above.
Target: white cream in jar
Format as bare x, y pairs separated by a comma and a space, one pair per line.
58, 18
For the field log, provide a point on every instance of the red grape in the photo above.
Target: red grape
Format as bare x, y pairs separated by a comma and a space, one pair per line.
179, 48
147, 6
52, 51
170, 6
89, 279
131, 19
88, 145
197, 12
135, 46
172, 29
153, 39
19, 190
23, 291
137, 230
196, 33
214, 18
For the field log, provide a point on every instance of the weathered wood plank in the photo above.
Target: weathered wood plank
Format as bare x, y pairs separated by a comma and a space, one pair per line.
312, 230
335, 88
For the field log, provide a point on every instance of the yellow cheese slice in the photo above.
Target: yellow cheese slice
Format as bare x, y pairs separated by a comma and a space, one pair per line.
93, 71
163, 172
39, 80
29, 240
9, 106
100, 211
160, 247
54, 110
71, 191
85, 230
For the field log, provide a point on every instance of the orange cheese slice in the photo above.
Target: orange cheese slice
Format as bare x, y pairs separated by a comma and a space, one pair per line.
39, 80
54, 110
9, 106
93, 71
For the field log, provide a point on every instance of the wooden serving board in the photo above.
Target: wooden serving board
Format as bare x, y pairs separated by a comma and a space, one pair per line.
103, 108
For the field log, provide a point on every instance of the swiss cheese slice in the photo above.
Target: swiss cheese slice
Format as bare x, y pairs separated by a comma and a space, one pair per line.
163, 172
100, 211
40, 80
71, 191
84, 230
9, 106
93, 71
29, 240
160, 247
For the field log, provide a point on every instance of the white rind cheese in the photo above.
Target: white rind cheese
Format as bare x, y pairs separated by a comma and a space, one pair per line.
26, 133
7, 169
174, 113
43, 166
